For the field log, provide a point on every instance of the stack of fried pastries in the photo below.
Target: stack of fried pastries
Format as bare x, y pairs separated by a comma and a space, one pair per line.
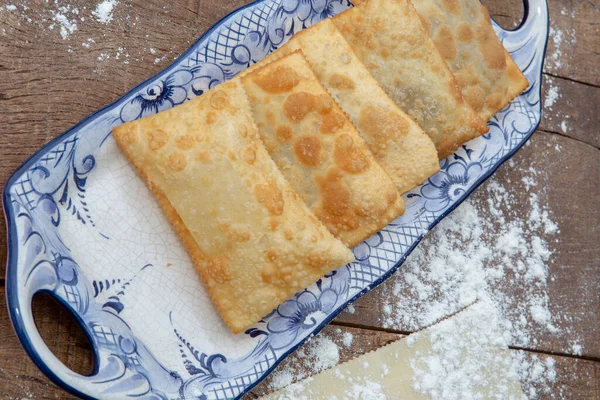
269, 179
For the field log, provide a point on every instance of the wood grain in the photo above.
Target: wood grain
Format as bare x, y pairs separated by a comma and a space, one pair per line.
571, 109
48, 84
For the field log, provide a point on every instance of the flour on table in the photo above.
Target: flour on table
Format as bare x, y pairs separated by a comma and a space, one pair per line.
61, 16
477, 252
66, 25
537, 374
347, 339
319, 353
104, 11
552, 95
455, 366
559, 37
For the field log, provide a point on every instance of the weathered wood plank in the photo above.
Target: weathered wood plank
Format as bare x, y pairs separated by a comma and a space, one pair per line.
571, 109
573, 48
570, 191
543, 376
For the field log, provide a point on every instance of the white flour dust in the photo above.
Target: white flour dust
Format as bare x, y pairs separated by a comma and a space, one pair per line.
104, 11
63, 19
560, 38
484, 250
537, 374
552, 95
320, 353
457, 366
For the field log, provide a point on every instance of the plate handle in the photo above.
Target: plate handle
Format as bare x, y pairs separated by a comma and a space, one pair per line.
44, 280
532, 32
122, 365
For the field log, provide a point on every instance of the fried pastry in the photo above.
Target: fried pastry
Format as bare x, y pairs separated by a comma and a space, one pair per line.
389, 38
319, 151
399, 145
251, 237
486, 74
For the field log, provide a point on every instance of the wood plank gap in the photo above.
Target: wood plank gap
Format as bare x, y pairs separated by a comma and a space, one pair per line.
567, 137
369, 327
387, 330
556, 354
572, 80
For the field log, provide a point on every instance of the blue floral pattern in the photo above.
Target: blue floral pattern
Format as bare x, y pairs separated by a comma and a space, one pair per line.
53, 185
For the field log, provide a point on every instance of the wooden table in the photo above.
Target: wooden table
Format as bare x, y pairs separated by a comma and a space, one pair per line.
48, 83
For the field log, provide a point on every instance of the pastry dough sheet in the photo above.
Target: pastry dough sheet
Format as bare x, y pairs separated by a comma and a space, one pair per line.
390, 40
475, 363
319, 151
486, 74
252, 239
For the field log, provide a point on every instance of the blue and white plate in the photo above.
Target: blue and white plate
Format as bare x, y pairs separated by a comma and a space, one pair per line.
85, 228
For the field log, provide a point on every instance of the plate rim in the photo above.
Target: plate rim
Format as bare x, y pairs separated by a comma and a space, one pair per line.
11, 234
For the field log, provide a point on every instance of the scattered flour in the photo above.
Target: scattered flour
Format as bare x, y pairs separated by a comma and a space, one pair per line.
552, 95
559, 37
61, 15
281, 379
347, 339
319, 353
104, 10
537, 374
66, 26
483, 249
367, 390
457, 365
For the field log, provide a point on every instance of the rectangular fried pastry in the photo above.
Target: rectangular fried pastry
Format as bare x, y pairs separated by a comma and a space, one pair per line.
251, 237
319, 151
390, 40
399, 145
486, 74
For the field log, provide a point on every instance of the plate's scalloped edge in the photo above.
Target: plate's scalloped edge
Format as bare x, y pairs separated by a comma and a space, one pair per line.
12, 256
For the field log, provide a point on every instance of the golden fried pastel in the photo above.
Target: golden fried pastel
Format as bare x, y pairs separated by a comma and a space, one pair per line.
251, 237
318, 150
389, 38
399, 145
486, 74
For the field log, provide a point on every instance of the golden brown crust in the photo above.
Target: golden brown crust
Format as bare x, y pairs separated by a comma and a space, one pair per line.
398, 144
321, 154
389, 38
487, 76
249, 235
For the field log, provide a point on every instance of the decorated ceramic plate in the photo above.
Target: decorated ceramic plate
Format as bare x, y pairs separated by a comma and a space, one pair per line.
85, 228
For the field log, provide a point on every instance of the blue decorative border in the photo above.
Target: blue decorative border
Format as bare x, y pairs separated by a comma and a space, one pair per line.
283, 328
